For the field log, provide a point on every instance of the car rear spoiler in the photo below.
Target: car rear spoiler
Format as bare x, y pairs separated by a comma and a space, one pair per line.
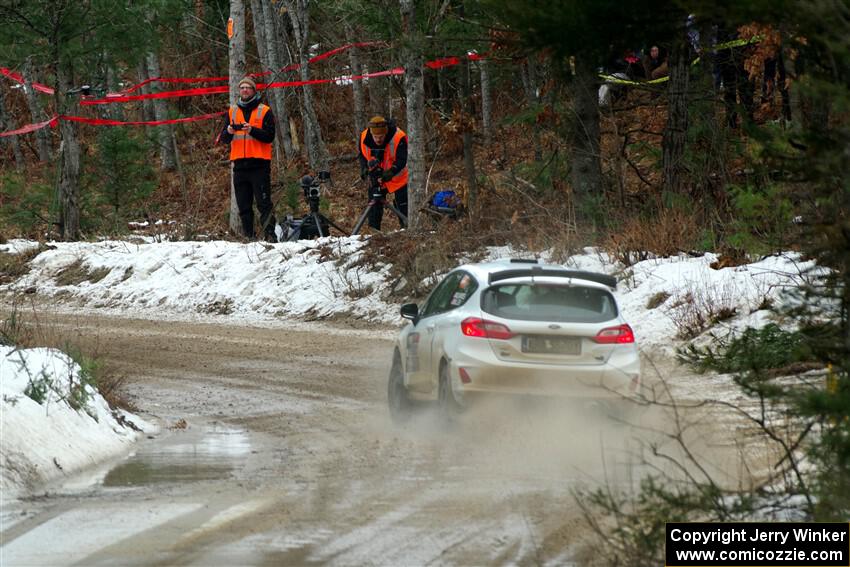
538, 272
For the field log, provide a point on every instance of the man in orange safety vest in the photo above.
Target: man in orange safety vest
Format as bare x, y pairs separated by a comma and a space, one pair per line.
385, 146
250, 131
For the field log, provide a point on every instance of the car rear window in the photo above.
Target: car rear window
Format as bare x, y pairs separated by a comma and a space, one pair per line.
542, 302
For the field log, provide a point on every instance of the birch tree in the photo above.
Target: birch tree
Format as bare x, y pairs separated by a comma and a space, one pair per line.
165, 133
6, 123
467, 125
274, 47
356, 86
236, 30
414, 87
42, 136
317, 153
486, 101
147, 104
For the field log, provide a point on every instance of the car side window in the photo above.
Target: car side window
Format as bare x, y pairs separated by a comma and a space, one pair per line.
441, 295
464, 290
452, 292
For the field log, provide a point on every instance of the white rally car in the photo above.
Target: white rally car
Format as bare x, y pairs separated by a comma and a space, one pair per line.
513, 327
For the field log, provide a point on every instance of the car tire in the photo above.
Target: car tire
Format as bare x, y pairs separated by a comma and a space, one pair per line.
446, 401
398, 398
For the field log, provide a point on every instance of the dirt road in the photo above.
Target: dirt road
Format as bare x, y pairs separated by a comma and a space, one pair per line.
289, 457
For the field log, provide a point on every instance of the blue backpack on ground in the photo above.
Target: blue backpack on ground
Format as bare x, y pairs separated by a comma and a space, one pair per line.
447, 199
445, 202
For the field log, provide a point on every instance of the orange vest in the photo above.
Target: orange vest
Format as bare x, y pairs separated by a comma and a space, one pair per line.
400, 179
244, 145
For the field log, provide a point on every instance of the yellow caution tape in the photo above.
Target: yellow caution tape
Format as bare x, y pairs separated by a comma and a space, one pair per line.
726, 45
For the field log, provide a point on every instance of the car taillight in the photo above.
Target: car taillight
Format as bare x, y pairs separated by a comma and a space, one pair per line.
475, 327
615, 335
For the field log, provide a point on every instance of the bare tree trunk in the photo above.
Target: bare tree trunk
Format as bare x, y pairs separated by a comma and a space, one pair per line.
260, 33
414, 86
276, 97
237, 71
167, 151
42, 136
528, 73
6, 123
676, 130
147, 104
317, 153
468, 125
486, 101
356, 86
586, 174
377, 101
69, 171
116, 111
263, 54
445, 95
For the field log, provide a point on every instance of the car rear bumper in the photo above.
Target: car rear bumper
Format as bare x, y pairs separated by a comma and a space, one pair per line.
473, 375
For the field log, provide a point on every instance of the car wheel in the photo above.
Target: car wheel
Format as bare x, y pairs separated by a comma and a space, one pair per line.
397, 396
445, 399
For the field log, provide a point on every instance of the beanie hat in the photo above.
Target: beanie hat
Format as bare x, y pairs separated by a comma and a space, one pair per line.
378, 125
248, 81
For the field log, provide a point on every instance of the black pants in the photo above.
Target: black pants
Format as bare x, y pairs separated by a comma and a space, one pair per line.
250, 185
376, 213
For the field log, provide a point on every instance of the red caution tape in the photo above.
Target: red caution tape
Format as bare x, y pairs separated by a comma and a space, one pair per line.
292, 67
30, 127
18, 78
168, 80
224, 89
333, 52
109, 99
444, 62
124, 97
104, 122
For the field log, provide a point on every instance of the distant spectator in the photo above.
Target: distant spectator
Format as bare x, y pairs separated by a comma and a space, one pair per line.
737, 85
655, 63
626, 67
775, 79
634, 66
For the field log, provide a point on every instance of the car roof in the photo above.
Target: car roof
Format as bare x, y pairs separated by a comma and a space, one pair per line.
506, 269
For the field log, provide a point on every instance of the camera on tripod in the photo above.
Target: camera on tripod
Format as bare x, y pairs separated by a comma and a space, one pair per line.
311, 186
314, 224
375, 171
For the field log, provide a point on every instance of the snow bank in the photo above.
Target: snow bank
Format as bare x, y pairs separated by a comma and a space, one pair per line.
663, 298
315, 278
45, 439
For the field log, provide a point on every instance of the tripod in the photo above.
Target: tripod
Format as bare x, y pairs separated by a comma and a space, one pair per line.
305, 227
377, 197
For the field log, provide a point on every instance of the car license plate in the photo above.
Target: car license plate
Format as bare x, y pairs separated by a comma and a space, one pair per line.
551, 345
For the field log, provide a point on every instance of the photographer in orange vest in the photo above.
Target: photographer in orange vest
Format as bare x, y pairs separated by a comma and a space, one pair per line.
250, 132
385, 145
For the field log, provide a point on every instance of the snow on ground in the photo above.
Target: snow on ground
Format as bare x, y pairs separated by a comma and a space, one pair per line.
51, 421
253, 283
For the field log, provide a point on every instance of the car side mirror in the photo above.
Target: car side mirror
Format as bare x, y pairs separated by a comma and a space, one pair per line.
410, 311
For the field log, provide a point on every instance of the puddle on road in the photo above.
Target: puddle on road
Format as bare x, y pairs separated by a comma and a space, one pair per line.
185, 456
